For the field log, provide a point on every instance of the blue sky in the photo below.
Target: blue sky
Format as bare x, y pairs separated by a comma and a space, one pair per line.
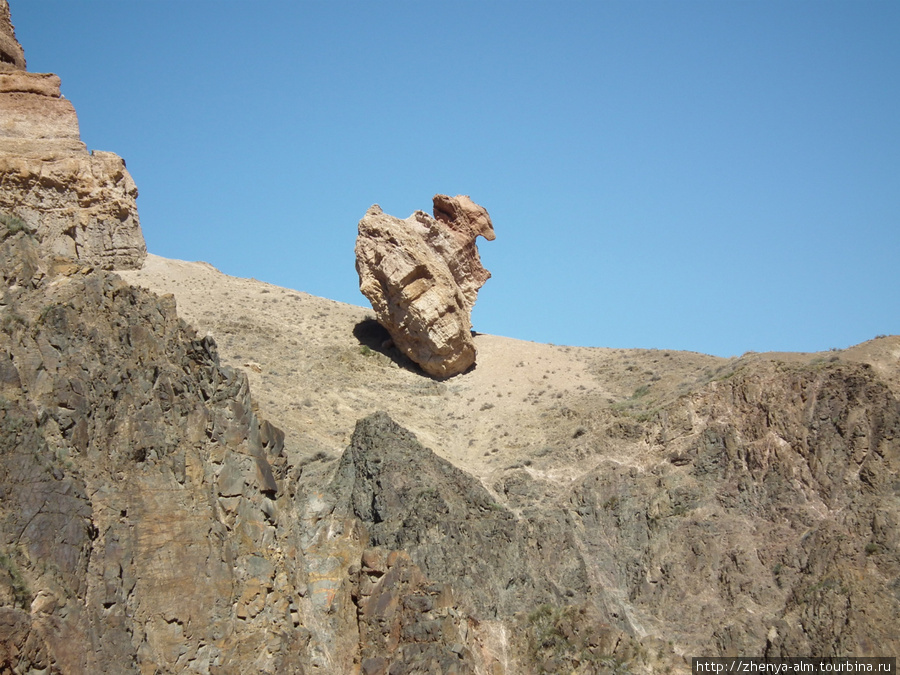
711, 176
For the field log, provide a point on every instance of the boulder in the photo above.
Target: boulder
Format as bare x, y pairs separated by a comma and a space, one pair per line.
422, 276
80, 204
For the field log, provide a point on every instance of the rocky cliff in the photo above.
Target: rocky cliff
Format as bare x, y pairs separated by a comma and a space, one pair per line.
644, 508
138, 523
12, 56
81, 204
555, 510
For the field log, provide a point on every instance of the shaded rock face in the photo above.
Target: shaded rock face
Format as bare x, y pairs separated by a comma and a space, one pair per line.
766, 522
138, 521
409, 498
501, 574
422, 276
83, 205
769, 523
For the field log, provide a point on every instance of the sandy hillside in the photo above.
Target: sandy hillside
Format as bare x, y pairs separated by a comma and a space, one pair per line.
316, 366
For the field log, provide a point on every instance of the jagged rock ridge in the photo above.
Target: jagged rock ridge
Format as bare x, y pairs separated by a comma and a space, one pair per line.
131, 463
422, 276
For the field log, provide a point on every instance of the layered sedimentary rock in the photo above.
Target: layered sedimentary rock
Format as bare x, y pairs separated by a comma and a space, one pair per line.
422, 276
11, 54
81, 204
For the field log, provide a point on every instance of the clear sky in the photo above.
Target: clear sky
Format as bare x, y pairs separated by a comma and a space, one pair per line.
710, 176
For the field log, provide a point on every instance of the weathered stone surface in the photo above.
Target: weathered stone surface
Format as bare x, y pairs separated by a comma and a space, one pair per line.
138, 523
409, 498
408, 624
82, 205
768, 525
422, 276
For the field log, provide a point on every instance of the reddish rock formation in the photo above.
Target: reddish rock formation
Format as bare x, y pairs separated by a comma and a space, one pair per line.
80, 204
422, 276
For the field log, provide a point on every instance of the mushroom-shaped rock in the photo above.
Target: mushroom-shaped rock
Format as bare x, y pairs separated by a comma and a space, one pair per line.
422, 276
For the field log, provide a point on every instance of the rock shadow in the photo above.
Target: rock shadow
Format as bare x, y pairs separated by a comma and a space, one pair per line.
373, 335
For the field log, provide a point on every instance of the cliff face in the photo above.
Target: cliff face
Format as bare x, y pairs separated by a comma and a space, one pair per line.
138, 523
763, 521
11, 54
767, 523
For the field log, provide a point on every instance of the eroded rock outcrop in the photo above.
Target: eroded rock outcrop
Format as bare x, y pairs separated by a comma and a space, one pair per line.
81, 204
487, 566
139, 526
422, 276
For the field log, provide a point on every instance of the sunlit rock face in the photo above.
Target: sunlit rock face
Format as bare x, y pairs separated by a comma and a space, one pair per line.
422, 276
80, 204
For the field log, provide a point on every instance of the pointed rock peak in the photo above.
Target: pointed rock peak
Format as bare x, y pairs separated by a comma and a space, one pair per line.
12, 56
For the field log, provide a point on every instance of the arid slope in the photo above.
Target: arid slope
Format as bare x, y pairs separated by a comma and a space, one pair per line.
316, 366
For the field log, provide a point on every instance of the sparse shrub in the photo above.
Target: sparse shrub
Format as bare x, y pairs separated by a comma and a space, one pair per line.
14, 224
561, 641
17, 583
641, 391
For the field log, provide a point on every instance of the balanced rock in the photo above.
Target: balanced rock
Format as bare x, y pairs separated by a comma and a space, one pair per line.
422, 276
80, 204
